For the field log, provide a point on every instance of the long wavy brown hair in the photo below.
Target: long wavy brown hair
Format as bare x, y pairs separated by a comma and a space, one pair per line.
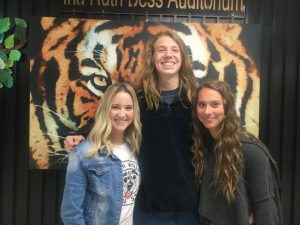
149, 81
228, 148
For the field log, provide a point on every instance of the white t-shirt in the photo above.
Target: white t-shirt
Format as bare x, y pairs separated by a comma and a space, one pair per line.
131, 181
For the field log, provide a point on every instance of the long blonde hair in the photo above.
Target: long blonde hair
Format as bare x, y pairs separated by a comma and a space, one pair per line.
99, 136
228, 148
149, 80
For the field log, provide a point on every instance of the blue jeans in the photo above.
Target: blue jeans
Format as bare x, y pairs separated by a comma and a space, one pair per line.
166, 218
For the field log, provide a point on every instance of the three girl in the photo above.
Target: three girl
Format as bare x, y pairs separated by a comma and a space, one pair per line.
235, 173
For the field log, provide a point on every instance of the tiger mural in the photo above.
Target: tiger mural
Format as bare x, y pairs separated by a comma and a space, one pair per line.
73, 61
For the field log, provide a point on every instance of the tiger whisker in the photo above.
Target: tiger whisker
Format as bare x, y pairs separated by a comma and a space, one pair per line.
61, 117
57, 154
56, 150
59, 160
55, 146
51, 134
63, 157
62, 150
55, 142
85, 50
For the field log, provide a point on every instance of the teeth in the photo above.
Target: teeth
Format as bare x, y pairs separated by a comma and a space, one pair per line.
168, 63
120, 120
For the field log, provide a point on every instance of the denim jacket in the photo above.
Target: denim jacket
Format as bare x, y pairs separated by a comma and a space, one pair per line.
93, 189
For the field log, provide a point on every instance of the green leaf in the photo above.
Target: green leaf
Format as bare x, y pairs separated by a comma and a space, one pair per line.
9, 42
15, 55
1, 37
4, 24
6, 78
20, 33
8, 70
20, 22
1, 85
2, 64
3, 75
9, 62
9, 82
3, 55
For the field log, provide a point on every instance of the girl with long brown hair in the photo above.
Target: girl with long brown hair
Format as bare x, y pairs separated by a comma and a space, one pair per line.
237, 177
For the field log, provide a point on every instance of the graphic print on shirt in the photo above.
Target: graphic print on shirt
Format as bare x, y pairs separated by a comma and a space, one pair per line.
131, 181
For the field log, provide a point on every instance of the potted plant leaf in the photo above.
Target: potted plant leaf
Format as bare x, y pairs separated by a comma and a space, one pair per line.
12, 38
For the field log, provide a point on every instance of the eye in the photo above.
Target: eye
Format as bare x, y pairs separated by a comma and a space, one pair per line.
201, 104
176, 50
116, 107
100, 80
160, 50
215, 104
129, 107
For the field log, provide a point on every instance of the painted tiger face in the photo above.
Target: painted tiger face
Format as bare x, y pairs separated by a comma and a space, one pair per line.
73, 61
78, 60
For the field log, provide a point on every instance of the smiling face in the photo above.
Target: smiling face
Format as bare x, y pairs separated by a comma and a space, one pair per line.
210, 110
167, 57
121, 114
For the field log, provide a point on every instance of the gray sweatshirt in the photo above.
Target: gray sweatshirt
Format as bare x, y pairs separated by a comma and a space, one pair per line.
257, 191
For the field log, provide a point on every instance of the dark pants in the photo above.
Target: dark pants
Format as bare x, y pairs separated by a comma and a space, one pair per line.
205, 221
166, 218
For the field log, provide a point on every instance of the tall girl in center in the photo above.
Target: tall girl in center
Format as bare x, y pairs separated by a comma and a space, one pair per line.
168, 192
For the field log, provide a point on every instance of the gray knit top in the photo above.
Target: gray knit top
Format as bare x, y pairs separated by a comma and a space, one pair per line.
257, 191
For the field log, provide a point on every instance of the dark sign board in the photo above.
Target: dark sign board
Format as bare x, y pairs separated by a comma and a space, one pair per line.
232, 8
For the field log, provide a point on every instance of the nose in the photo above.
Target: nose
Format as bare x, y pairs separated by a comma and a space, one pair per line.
168, 52
208, 109
122, 111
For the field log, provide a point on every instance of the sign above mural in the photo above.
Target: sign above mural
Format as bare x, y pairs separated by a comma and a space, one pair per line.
232, 8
